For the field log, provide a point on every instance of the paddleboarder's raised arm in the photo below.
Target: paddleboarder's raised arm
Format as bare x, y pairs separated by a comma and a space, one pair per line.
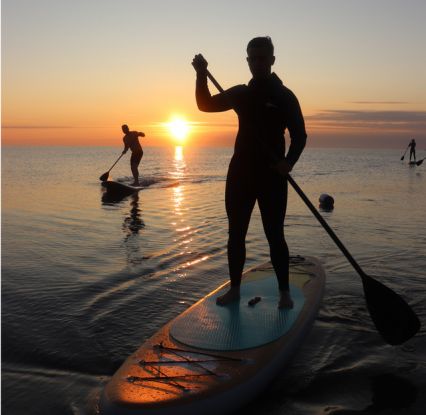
205, 101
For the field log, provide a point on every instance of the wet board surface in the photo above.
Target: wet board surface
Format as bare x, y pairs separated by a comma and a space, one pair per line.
212, 359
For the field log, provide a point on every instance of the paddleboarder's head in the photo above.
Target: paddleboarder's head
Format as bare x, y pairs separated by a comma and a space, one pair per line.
125, 128
260, 56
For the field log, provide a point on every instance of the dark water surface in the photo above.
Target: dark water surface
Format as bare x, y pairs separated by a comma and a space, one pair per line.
85, 280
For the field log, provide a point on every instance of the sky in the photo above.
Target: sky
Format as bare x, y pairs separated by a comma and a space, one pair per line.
74, 71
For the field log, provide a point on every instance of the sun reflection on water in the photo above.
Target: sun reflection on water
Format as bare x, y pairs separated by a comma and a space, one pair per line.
179, 164
178, 200
178, 192
179, 153
184, 231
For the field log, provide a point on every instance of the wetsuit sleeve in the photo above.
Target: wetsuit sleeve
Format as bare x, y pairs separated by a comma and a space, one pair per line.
296, 128
208, 103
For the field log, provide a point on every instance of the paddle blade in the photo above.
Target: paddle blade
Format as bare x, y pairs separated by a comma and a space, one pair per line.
392, 316
402, 158
104, 177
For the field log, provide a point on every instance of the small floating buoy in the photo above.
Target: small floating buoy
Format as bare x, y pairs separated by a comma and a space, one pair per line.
326, 202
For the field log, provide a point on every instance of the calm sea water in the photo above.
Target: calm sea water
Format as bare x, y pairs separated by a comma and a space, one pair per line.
85, 280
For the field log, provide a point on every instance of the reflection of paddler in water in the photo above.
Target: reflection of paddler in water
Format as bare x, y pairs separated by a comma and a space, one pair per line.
131, 140
265, 108
412, 146
133, 223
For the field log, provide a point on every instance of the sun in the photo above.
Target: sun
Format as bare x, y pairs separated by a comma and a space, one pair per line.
179, 129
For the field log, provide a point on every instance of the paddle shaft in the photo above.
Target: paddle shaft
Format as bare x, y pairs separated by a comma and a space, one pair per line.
310, 206
115, 162
214, 82
325, 225
405, 152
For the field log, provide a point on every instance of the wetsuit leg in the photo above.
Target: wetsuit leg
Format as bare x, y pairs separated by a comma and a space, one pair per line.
135, 159
239, 200
272, 200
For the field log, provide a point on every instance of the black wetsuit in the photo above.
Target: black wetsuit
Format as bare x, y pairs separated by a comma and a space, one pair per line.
265, 109
131, 141
412, 146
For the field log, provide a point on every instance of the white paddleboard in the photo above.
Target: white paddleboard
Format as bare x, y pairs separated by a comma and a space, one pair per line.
212, 359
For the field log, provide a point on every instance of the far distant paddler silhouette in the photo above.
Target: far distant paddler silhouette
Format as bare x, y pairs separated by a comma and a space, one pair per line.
412, 146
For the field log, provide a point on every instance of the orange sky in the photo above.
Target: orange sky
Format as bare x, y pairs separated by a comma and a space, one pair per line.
74, 72
221, 133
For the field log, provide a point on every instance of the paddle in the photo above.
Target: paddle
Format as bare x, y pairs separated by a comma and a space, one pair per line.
104, 177
392, 316
405, 152
419, 162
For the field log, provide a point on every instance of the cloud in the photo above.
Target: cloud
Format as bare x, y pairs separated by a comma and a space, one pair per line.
34, 127
379, 102
199, 124
407, 120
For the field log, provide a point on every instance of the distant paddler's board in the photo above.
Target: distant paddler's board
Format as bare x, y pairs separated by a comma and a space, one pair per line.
211, 359
120, 189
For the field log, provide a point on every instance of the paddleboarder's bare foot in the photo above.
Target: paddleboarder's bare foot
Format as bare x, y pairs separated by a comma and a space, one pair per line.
285, 300
229, 297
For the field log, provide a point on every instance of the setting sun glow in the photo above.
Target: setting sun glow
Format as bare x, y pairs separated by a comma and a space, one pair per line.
179, 129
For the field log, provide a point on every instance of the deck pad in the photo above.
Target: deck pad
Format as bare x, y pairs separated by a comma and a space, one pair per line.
238, 326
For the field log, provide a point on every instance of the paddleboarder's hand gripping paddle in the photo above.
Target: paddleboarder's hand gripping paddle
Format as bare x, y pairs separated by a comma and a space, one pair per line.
392, 316
199, 63
283, 167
